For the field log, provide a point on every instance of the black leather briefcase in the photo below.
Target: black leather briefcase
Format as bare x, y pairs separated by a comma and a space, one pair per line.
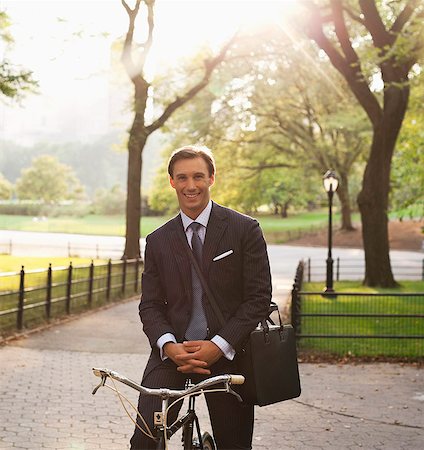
269, 364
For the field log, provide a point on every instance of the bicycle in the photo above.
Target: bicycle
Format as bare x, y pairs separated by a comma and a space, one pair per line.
189, 422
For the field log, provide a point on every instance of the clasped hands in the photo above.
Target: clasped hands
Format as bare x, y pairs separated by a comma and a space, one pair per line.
193, 356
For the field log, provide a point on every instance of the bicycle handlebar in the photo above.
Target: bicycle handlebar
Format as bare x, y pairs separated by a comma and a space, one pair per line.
164, 392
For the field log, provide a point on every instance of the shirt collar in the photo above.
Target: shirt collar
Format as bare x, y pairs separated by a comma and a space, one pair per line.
202, 218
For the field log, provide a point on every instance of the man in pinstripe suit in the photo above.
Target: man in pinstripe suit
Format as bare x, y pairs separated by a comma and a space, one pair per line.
235, 264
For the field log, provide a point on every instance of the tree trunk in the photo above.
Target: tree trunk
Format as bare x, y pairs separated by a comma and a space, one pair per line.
373, 198
343, 195
284, 210
136, 144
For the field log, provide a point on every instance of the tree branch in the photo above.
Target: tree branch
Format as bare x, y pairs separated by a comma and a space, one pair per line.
351, 73
151, 24
404, 16
126, 56
342, 33
353, 15
263, 166
210, 65
372, 20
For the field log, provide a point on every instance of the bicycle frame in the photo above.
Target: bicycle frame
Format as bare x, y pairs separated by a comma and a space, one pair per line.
189, 423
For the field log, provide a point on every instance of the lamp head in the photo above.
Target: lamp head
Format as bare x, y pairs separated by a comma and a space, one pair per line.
330, 181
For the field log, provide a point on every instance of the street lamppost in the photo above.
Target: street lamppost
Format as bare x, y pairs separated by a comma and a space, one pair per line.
331, 183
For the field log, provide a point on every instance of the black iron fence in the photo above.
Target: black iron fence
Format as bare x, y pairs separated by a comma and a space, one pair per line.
29, 298
345, 269
358, 323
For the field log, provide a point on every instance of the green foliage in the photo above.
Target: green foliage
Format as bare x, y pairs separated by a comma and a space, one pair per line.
110, 201
14, 81
162, 198
36, 209
272, 131
97, 164
407, 174
6, 188
48, 181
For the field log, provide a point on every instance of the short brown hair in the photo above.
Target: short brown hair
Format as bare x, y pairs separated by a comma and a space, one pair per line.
190, 152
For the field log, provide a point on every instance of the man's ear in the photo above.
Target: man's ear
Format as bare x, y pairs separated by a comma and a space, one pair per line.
171, 182
212, 180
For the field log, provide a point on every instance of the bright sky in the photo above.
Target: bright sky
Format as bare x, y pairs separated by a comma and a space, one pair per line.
64, 34
63, 42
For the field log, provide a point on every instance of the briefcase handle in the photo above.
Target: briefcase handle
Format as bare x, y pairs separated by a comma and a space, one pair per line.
264, 323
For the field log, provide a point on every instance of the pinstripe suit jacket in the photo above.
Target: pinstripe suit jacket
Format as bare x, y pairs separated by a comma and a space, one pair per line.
240, 282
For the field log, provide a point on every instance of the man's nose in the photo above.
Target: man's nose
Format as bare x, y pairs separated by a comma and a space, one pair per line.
191, 184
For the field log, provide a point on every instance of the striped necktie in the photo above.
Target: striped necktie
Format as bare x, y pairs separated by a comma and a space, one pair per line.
197, 327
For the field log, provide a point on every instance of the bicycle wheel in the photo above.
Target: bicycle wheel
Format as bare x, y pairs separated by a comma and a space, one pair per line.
208, 441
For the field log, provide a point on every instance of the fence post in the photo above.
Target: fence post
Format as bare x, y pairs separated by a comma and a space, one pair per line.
69, 249
69, 290
338, 269
293, 318
49, 292
20, 319
309, 270
295, 310
109, 276
137, 263
295, 298
90, 284
124, 274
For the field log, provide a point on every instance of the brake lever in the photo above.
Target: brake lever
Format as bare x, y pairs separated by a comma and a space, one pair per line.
101, 384
230, 391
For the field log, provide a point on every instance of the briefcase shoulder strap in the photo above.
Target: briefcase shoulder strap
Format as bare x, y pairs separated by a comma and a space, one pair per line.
206, 288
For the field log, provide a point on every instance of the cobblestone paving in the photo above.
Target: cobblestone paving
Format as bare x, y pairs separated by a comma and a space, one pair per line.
46, 402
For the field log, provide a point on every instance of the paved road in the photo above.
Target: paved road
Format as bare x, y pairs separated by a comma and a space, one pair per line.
46, 401
46, 383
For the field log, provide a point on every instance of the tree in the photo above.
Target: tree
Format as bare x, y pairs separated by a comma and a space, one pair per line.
6, 188
369, 41
141, 129
266, 108
13, 81
303, 127
407, 193
49, 181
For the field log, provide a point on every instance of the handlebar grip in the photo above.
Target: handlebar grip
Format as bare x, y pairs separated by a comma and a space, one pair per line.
237, 379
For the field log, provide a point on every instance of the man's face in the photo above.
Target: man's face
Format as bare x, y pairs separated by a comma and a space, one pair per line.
191, 181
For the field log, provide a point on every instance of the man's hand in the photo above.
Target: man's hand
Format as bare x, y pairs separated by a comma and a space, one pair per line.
203, 351
186, 361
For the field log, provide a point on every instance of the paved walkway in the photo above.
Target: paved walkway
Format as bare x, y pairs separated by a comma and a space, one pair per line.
46, 401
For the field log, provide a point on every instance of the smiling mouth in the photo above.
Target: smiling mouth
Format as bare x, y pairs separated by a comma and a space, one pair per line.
191, 195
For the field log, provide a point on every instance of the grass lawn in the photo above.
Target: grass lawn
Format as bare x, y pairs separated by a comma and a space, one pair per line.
363, 316
9, 263
98, 225
276, 229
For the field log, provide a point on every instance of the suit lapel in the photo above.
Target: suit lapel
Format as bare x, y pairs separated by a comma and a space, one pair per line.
216, 226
